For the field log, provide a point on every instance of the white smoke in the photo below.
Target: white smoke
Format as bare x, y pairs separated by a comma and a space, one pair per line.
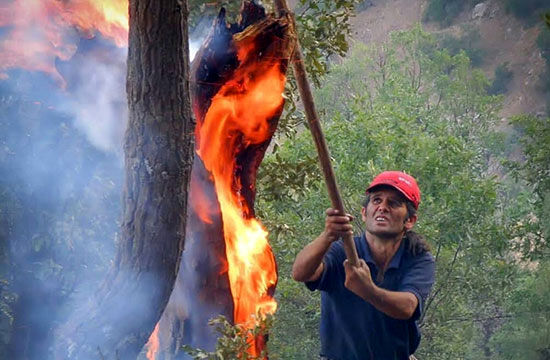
99, 99
194, 46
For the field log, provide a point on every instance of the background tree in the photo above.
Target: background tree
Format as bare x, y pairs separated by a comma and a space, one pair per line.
525, 333
411, 106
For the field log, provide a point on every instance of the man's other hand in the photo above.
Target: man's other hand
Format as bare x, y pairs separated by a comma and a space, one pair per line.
358, 278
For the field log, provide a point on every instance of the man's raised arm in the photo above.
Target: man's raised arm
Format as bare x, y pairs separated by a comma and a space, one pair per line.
308, 265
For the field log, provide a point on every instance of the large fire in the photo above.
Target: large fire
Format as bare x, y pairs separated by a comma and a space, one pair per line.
238, 115
39, 31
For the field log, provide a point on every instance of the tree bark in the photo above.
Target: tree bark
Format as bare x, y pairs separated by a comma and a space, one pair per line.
117, 321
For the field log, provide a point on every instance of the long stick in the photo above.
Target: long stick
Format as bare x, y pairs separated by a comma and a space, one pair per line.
317, 132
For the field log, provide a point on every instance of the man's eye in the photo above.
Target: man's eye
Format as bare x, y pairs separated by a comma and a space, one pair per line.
395, 204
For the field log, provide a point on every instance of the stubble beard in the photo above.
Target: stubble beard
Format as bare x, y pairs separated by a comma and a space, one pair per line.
387, 235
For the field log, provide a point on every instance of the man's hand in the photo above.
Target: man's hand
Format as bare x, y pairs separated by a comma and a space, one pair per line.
397, 304
358, 278
337, 225
308, 265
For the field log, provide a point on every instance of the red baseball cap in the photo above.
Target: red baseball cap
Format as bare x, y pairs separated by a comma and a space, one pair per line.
400, 181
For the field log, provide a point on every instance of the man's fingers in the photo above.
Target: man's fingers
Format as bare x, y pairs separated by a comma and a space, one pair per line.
338, 219
340, 226
336, 225
335, 214
347, 265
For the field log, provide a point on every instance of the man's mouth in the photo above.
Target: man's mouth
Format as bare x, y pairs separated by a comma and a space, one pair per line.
380, 218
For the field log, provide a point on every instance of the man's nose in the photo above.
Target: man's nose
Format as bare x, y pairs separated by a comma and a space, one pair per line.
383, 206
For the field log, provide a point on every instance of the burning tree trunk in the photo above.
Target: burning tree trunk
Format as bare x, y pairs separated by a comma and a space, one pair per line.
228, 268
118, 319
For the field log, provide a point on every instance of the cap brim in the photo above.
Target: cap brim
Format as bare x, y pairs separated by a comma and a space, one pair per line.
383, 183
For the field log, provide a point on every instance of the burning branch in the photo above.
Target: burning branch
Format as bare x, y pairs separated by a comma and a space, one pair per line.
238, 79
232, 137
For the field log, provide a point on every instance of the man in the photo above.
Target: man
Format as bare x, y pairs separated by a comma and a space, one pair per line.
369, 312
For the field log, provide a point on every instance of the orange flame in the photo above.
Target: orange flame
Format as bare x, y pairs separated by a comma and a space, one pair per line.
153, 344
239, 114
200, 203
39, 31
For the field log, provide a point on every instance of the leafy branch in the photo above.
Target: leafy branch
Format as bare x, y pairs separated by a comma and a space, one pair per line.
234, 340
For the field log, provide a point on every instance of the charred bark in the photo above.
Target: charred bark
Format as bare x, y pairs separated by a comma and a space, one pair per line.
202, 289
117, 321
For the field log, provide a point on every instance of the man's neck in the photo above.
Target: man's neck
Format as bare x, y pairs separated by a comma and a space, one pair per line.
383, 249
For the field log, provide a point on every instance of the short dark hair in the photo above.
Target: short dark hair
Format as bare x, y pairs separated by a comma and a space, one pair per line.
416, 244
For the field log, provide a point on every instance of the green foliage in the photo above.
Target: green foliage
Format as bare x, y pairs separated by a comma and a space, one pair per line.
467, 42
412, 106
526, 333
232, 343
534, 170
323, 28
293, 181
503, 77
201, 9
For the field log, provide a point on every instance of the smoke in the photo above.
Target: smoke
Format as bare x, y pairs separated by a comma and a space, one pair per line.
60, 184
96, 96
63, 114
96, 92
58, 213
194, 46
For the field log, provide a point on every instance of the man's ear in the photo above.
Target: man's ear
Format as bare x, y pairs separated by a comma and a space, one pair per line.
409, 223
364, 214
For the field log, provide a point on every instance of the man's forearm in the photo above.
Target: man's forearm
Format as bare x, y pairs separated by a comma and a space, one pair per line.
308, 265
396, 304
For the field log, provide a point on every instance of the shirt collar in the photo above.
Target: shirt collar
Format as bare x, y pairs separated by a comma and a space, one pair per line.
396, 260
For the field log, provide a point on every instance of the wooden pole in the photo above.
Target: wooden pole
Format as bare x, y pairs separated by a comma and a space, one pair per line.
316, 131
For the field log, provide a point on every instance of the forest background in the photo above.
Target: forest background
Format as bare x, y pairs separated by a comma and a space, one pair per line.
419, 101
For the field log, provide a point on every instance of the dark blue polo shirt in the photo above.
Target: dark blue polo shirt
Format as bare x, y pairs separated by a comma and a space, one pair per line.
353, 329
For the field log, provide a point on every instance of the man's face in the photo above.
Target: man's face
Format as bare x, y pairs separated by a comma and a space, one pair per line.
386, 214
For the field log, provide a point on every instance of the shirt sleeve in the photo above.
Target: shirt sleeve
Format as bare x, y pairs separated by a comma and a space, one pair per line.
418, 279
332, 271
